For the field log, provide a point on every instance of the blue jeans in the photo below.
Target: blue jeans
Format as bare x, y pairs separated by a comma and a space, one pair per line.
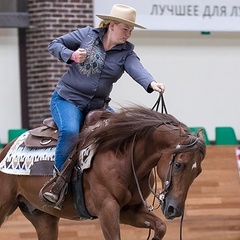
68, 118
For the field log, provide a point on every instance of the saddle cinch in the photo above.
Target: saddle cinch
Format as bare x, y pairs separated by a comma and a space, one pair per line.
47, 135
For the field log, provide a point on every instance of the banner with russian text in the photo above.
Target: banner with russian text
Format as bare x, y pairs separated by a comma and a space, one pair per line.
180, 15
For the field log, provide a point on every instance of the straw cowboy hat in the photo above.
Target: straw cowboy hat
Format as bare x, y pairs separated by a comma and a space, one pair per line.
123, 14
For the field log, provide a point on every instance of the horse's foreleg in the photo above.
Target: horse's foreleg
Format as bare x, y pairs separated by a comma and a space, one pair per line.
46, 225
139, 217
109, 220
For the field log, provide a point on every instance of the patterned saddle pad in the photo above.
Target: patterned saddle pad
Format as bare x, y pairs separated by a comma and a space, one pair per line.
21, 160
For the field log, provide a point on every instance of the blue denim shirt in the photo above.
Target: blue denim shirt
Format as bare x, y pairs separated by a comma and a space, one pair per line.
92, 80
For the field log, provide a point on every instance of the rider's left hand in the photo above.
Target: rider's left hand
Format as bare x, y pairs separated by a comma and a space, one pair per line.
159, 87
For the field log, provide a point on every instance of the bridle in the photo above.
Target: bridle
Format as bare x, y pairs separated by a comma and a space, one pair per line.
160, 101
168, 179
167, 183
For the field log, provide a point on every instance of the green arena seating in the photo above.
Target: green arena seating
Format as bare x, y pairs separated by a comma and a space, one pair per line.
196, 129
225, 136
14, 133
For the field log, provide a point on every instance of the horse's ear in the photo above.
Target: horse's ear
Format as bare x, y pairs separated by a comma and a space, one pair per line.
181, 130
200, 134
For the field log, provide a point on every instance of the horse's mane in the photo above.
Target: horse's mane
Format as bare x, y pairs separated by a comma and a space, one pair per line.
131, 122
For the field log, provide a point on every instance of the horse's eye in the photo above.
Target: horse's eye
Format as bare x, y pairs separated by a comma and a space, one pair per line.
178, 165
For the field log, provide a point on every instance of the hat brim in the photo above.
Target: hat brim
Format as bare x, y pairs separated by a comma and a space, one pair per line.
121, 20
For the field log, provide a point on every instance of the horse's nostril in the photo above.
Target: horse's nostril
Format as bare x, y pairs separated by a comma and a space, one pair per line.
171, 210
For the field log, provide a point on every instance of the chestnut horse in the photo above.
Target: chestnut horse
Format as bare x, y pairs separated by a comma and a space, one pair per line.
116, 187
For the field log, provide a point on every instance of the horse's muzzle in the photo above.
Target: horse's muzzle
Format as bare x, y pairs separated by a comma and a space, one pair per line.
171, 210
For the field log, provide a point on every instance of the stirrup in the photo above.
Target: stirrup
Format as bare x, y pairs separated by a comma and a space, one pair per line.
51, 197
53, 200
60, 180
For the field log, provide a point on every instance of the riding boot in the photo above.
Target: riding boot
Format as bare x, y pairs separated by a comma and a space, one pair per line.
60, 180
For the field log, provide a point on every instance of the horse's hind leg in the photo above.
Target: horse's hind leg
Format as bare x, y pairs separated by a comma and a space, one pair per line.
8, 196
45, 224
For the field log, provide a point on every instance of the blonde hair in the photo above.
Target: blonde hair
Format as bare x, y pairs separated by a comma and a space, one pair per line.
105, 23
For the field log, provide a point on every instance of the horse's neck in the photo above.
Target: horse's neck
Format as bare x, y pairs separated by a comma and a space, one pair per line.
145, 158
148, 153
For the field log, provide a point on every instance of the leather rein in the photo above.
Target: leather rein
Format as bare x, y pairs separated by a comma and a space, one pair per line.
167, 183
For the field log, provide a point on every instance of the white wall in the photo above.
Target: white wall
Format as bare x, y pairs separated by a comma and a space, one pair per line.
200, 73
10, 107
